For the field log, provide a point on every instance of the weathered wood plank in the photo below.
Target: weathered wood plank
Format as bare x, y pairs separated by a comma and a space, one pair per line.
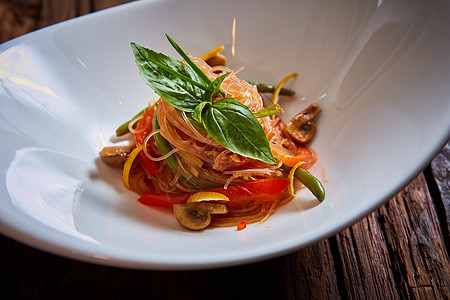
18, 17
311, 273
366, 261
419, 256
397, 251
440, 167
35, 274
55, 11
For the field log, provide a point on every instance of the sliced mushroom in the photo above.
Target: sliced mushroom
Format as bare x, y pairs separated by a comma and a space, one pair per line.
301, 129
217, 60
115, 156
197, 215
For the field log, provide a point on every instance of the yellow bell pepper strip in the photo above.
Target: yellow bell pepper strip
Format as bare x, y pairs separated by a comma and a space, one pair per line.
279, 86
127, 166
210, 54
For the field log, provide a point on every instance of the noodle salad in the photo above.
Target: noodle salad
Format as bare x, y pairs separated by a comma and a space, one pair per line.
208, 147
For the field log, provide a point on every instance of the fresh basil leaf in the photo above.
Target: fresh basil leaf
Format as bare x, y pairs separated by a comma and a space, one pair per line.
190, 62
268, 111
199, 126
235, 127
214, 87
197, 115
171, 79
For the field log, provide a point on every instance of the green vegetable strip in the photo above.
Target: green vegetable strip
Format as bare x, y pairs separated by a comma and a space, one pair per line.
191, 63
172, 161
268, 88
164, 146
123, 129
309, 181
269, 111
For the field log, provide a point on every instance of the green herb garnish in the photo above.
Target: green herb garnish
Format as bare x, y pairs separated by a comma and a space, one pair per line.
172, 161
176, 86
123, 129
270, 110
234, 126
187, 88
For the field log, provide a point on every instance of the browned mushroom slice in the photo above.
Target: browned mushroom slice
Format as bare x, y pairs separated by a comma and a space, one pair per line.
115, 156
217, 60
301, 129
197, 215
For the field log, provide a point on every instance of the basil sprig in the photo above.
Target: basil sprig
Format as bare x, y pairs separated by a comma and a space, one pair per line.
171, 79
228, 121
234, 126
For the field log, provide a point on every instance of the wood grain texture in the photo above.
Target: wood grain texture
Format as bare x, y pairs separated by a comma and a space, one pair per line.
18, 17
39, 275
418, 252
441, 171
399, 251
365, 261
310, 272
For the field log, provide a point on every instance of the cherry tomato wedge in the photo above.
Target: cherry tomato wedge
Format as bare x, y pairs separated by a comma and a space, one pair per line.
242, 194
143, 128
303, 154
241, 226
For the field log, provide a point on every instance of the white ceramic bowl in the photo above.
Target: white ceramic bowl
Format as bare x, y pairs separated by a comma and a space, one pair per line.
380, 71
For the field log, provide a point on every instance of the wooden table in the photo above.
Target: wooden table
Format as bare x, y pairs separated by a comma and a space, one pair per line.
398, 251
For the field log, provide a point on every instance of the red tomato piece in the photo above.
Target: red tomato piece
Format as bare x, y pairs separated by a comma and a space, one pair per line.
303, 154
241, 225
143, 128
255, 191
163, 200
242, 194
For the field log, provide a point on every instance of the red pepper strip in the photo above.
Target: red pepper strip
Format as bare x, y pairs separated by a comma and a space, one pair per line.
241, 226
303, 155
163, 200
143, 128
242, 194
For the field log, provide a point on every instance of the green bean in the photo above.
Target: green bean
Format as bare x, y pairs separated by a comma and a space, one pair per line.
269, 111
172, 161
269, 88
164, 146
309, 181
123, 129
